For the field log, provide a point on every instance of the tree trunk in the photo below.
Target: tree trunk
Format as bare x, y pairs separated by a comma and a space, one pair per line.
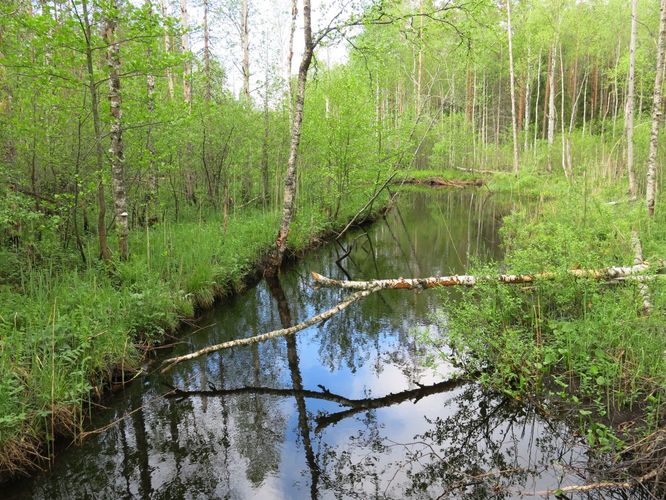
150, 145
514, 125
206, 53
551, 104
528, 96
245, 47
656, 115
290, 56
116, 151
104, 251
167, 49
277, 256
185, 46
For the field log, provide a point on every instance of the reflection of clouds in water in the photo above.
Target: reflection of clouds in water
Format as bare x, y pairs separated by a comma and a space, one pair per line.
251, 445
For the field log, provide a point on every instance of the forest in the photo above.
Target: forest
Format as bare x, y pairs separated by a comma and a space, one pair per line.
160, 157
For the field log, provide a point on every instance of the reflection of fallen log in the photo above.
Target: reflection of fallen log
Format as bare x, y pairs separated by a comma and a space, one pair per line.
441, 182
355, 405
361, 405
167, 364
610, 273
264, 391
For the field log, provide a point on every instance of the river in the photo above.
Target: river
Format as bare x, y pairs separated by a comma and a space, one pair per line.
357, 407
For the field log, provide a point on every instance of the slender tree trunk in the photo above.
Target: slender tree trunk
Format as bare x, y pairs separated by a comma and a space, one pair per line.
528, 95
245, 47
116, 151
290, 56
551, 104
167, 48
629, 105
536, 104
150, 145
104, 251
206, 54
656, 115
290, 181
514, 125
185, 46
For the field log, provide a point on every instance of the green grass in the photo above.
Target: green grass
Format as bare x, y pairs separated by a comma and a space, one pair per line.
582, 345
64, 333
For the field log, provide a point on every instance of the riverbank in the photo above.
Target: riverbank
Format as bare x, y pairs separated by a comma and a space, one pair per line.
67, 333
587, 351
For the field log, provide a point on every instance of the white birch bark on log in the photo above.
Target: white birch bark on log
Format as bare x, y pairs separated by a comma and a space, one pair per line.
651, 190
116, 152
615, 272
169, 363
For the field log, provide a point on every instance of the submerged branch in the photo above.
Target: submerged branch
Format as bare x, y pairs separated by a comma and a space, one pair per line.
611, 273
171, 362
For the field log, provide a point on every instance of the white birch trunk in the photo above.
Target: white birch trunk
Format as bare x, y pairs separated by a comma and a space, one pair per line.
651, 193
116, 153
514, 125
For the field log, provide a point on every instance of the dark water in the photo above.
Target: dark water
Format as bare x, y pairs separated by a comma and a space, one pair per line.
347, 409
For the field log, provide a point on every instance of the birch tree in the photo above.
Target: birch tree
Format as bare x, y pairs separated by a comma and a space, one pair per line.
245, 47
277, 255
116, 152
629, 104
514, 125
651, 191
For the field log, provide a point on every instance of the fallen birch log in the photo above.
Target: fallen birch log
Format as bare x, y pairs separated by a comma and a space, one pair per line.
167, 364
611, 273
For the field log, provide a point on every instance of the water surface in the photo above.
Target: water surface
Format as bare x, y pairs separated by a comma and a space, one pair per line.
348, 409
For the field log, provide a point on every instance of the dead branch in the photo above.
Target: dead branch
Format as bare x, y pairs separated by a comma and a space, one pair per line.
603, 485
171, 362
611, 273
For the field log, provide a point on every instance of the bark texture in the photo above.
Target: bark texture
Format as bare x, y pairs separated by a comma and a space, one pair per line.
167, 48
629, 104
615, 272
245, 46
514, 125
185, 46
651, 190
104, 251
277, 256
116, 153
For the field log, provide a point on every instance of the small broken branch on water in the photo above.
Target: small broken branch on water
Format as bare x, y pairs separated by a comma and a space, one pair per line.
171, 362
611, 273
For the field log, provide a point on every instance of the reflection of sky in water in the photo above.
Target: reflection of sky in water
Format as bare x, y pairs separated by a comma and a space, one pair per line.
254, 446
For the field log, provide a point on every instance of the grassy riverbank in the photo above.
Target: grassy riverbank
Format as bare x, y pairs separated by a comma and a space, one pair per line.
585, 349
65, 332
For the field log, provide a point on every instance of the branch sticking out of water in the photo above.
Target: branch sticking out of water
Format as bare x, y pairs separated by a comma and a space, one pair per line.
167, 364
611, 273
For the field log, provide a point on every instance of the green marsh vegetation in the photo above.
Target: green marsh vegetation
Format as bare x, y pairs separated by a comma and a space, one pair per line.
194, 188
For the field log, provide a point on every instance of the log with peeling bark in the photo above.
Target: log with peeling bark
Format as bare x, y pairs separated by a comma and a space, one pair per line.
611, 273
171, 362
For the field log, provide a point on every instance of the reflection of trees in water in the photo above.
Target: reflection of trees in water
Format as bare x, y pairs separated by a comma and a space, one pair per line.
488, 448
